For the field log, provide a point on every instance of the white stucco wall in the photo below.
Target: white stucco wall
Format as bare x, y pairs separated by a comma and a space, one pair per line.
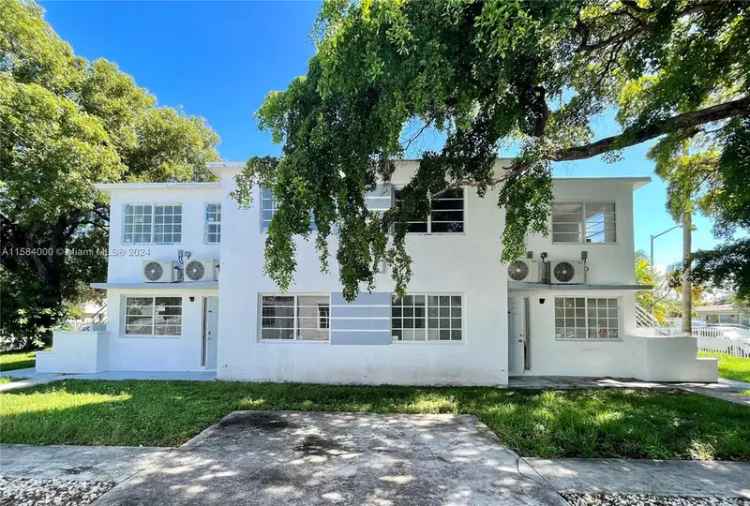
156, 353
152, 353
457, 263
621, 357
608, 263
466, 264
126, 260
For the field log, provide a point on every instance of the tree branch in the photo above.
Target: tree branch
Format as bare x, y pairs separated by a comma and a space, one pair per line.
637, 134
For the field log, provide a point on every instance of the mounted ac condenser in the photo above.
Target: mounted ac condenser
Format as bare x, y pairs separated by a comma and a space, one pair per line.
566, 272
527, 271
160, 271
202, 270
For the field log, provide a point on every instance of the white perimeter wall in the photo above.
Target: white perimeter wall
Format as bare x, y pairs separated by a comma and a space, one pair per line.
457, 263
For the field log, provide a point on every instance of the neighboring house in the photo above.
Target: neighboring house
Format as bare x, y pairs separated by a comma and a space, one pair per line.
724, 314
467, 318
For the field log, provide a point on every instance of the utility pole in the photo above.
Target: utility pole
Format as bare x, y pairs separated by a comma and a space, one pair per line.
687, 260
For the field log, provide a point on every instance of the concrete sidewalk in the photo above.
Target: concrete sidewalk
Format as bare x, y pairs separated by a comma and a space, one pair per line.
724, 389
26, 378
77, 463
33, 378
652, 477
278, 458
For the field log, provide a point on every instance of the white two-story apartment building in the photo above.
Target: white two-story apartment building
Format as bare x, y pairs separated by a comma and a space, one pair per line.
186, 291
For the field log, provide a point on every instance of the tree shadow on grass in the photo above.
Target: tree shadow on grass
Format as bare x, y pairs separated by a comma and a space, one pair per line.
582, 423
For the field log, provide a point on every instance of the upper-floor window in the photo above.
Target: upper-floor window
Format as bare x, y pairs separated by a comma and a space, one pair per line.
583, 222
267, 207
446, 215
152, 223
213, 223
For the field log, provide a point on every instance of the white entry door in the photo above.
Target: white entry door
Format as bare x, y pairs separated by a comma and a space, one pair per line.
517, 335
210, 331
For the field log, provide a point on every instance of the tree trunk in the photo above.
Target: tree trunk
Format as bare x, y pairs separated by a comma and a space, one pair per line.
687, 292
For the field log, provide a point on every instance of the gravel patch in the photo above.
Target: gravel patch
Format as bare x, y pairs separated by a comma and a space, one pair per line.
30, 492
599, 499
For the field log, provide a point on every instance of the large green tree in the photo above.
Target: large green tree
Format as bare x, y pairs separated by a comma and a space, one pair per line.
66, 123
486, 74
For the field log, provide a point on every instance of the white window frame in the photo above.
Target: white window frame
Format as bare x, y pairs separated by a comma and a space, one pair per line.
582, 223
427, 327
153, 335
327, 317
265, 223
586, 328
295, 329
207, 223
152, 233
428, 220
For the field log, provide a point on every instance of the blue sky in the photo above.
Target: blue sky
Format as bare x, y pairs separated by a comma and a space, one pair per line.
219, 60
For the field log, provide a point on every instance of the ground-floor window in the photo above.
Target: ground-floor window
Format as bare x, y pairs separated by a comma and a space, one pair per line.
295, 317
153, 316
425, 317
586, 318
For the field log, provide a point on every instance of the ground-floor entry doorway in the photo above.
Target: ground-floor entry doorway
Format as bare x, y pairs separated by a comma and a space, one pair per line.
519, 335
210, 332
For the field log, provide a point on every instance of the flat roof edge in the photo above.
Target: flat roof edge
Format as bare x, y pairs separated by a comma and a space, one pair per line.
182, 285
517, 285
109, 187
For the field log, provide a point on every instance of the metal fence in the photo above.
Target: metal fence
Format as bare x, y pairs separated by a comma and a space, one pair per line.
737, 347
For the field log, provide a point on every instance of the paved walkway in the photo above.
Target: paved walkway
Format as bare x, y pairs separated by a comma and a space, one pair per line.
727, 390
654, 477
78, 463
285, 458
33, 378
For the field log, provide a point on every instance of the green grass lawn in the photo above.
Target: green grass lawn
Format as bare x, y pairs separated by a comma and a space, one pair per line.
589, 423
730, 367
17, 360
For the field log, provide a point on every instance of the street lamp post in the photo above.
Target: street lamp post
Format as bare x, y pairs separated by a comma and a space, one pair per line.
651, 257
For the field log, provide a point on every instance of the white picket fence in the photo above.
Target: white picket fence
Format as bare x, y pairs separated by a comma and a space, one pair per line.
729, 340
737, 346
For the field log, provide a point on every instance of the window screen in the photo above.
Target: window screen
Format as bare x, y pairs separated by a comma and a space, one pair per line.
586, 318
153, 316
146, 223
589, 222
213, 223
446, 215
297, 317
427, 317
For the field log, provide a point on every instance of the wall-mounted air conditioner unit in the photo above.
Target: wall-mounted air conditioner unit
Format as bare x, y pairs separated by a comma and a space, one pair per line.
159, 271
202, 270
527, 271
566, 272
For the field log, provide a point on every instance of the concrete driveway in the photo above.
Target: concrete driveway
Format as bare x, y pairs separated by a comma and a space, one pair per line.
280, 458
